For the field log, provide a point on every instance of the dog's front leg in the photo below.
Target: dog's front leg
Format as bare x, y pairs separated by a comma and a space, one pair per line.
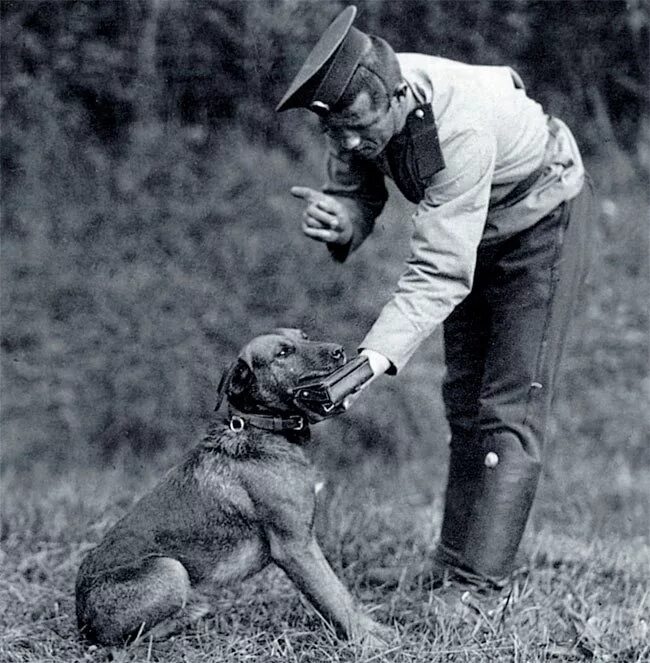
304, 562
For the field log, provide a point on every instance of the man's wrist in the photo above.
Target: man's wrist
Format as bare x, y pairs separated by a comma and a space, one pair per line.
339, 252
378, 362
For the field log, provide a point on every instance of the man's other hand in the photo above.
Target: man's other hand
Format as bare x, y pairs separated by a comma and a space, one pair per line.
325, 218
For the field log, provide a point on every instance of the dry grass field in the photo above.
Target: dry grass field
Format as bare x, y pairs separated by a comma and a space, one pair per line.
585, 598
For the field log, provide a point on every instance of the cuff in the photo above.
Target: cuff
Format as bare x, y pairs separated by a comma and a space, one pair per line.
395, 337
340, 252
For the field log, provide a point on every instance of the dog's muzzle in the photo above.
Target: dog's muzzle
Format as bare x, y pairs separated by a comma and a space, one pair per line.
324, 397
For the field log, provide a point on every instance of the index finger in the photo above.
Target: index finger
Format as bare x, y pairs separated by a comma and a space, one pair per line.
306, 193
322, 200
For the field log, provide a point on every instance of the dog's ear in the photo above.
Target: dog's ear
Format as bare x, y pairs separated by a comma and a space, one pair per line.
291, 332
235, 381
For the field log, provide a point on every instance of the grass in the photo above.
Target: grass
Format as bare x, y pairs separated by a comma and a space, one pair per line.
586, 596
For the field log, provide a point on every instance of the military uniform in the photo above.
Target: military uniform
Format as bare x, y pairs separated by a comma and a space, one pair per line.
498, 252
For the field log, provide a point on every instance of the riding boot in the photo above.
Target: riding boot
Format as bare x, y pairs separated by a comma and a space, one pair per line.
489, 495
463, 480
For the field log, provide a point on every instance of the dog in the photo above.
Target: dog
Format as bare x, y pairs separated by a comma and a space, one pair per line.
240, 500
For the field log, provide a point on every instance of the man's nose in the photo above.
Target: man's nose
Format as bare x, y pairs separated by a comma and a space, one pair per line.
351, 141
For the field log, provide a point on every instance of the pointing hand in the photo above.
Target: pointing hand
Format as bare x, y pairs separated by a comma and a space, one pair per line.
325, 218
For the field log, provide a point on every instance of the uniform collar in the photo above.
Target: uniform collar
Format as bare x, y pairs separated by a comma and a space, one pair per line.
405, 110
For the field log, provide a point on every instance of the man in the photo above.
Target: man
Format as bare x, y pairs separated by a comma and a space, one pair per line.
498, 252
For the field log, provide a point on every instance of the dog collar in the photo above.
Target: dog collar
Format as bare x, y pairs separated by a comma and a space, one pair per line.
238, 421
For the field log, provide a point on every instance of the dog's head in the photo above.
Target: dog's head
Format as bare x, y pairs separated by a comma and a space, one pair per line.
269, 367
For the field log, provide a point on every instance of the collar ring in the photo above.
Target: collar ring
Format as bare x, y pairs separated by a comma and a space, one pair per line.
236, 424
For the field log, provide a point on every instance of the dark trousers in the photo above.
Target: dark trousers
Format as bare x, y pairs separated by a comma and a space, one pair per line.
503, 346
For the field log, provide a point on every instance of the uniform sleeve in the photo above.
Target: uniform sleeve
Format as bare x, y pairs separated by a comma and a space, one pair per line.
359, 185
447, 228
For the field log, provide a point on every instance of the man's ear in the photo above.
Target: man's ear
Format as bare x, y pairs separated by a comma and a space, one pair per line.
235, 381
400, 91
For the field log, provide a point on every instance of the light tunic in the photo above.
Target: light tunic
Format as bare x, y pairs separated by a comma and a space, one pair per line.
492, 136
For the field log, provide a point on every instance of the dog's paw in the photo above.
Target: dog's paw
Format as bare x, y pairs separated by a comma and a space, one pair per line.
376, 642
194, 612
372, 636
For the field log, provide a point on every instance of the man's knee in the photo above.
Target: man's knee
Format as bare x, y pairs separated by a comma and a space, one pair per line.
511, 422
511, 446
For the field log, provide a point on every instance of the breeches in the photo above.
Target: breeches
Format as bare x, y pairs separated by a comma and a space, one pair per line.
504, 342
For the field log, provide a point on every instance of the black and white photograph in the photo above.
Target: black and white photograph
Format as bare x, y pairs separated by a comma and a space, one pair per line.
324, 331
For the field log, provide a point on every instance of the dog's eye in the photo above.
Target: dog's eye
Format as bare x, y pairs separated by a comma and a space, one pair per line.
285, 351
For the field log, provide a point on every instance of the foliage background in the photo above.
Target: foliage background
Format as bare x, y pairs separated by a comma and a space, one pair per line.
147, 232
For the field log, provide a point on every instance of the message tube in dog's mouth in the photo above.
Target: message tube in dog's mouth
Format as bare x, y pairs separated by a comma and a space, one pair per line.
325, 396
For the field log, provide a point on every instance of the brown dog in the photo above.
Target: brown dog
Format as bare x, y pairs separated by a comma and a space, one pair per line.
241, 499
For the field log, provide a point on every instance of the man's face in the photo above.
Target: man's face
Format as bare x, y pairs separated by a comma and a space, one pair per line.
361, 128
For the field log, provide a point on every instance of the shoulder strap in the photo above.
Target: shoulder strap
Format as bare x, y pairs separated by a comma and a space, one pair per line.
421, 127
